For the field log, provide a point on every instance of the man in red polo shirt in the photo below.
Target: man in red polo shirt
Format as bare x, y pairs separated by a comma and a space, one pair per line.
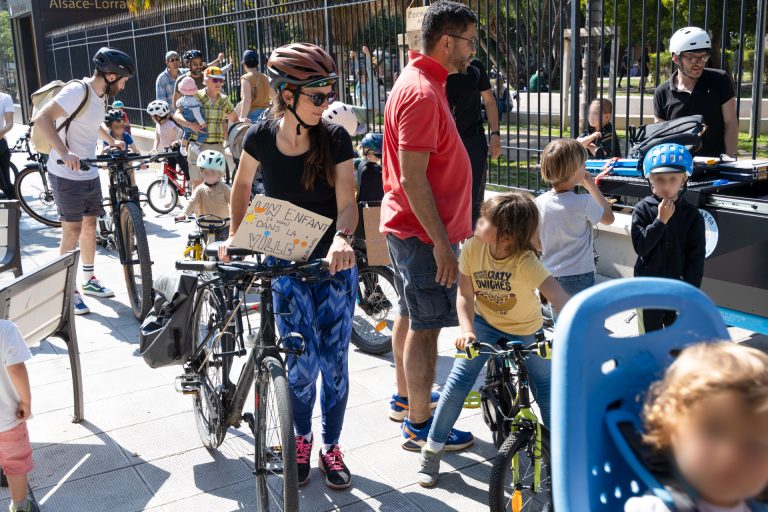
426, 211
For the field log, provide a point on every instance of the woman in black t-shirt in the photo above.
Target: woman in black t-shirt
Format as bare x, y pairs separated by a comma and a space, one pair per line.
309, 163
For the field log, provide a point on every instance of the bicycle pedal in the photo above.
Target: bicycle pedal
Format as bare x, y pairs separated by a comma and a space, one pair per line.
251, 421
187, 385
472, 401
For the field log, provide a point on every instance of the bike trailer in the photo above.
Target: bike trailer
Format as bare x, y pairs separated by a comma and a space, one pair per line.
165, 337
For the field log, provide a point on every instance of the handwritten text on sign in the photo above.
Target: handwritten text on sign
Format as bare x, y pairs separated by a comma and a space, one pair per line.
278, 228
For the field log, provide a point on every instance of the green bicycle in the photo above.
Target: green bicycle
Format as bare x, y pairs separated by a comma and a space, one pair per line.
520, 477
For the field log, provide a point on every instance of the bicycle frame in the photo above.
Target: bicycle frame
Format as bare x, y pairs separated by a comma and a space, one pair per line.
120, 191
171, 177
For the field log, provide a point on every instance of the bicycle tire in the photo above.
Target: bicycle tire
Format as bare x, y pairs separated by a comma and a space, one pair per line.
35, 196
499, 491
209, 412
156, 203
14, 174
274, 416
374, 310
137, 247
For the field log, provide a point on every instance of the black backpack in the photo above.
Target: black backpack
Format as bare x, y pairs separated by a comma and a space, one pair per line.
686, 131
165, 338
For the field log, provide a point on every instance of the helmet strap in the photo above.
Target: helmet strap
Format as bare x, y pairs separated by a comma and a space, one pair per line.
292, 109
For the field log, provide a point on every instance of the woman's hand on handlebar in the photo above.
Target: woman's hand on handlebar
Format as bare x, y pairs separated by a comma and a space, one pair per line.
341, 256
223, 256
466, 339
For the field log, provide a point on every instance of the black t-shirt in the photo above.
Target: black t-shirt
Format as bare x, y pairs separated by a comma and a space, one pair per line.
370, 183
282, 174
463, 91
608, 145
713, 89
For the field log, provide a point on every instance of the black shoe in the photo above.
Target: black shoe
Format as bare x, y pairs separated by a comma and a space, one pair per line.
331, 463
303, 454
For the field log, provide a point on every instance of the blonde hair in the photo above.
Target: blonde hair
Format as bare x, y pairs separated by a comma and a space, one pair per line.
700, 371
515, 217
604, 105
561, 159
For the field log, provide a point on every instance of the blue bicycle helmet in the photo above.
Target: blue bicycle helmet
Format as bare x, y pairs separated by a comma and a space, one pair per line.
668, 158
118, 104
374, 142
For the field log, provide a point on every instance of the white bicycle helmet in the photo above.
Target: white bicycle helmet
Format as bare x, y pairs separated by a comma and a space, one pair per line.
210, 159
689, 39
342, 115
158, 108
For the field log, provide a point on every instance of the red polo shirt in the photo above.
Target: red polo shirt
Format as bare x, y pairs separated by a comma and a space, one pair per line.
417, 118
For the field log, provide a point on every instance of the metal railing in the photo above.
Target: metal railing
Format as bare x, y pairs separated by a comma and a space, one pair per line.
621, 54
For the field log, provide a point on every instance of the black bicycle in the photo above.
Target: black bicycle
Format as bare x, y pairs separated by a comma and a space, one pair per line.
32, 187
221, 331
122, 227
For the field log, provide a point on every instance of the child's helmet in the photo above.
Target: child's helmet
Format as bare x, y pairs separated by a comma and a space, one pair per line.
210, 159
374, 142
689, 39
111, 116
668, 158
187, 86
342, 115
118, 104
158, 108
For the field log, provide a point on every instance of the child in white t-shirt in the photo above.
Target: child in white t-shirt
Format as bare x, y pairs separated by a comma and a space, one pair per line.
15, 410
567, 217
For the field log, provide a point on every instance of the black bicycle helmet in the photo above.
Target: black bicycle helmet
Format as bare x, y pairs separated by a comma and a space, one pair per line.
112, 115
192, 54
109, 60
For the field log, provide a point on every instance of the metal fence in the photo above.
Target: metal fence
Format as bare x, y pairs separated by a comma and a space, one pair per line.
621, 54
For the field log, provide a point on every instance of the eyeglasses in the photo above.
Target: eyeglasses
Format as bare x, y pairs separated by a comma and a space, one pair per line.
695, 59
472, 42
216, 80
319, 98
174, 59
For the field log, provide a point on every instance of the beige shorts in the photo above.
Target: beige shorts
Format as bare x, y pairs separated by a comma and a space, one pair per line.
194, 151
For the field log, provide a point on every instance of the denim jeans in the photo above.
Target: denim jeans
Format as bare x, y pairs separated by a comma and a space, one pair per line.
573, 285
255, 115
465, 373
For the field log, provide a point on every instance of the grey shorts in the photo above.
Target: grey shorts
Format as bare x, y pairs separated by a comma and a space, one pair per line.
76, 199
428, 304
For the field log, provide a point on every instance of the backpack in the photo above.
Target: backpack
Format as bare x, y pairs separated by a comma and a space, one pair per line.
165, 338
41, 98
686, 131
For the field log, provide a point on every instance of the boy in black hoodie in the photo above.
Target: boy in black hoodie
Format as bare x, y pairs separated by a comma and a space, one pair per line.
667, 230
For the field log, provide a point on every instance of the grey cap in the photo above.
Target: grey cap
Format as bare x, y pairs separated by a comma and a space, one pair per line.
170, 54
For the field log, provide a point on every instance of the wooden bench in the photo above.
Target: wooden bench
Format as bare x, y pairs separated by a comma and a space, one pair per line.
10, 244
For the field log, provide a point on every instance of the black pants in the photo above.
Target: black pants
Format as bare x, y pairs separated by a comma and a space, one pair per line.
657, 319
179, 163
5, 170
477, 149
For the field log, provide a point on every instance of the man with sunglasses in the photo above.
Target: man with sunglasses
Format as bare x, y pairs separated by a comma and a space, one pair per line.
694, 89
194, 60
217, 110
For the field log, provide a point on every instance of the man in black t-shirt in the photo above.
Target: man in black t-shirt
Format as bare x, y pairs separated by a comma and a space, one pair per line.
696, 90
465, 90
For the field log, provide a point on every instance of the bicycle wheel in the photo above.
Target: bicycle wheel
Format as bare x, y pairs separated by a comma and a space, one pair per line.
374, 310
138, 269
162, 196
14, 174
277, 479
207, 321
36, 198
518, 495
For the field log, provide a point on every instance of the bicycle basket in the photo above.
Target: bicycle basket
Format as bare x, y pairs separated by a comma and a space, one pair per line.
498, 399
165, 338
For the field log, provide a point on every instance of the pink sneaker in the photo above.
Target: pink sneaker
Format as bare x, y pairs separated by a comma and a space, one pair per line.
331, 463
303, 453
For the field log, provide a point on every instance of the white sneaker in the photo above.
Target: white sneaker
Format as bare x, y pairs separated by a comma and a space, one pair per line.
79, 305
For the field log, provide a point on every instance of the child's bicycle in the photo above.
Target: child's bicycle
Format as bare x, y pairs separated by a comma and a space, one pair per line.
197, 241
520, 477
163, 193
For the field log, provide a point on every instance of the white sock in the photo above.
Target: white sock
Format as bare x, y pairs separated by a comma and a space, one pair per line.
434, 447
87, 272
327, 448
307, 437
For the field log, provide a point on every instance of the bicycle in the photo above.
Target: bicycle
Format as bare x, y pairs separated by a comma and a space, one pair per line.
197, 241
32, 187
218, 334
520, 476
163, 193
123, 228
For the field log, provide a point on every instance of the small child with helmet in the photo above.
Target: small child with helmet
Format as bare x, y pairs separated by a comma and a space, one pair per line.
119, 105
368, 172
193, 112
212, 197
667, 231
167, 133
113, 119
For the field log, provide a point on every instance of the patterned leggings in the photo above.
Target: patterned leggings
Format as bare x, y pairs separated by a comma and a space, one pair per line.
322, 313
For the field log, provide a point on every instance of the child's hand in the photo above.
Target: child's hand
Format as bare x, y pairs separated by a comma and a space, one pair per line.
587, 179
24, 410
465, 340
666, 210
144, 167
180, 218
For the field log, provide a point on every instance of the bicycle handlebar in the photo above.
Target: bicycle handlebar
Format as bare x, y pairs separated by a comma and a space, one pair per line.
254, 268
121, 157
542, 348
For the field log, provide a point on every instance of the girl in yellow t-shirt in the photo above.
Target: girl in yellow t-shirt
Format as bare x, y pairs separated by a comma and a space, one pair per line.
498, 275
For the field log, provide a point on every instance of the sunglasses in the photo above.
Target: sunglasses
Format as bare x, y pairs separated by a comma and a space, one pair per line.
216, 80
174, 59
319, 98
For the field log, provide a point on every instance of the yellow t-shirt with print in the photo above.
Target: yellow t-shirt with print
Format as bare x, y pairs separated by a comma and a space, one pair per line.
504, 289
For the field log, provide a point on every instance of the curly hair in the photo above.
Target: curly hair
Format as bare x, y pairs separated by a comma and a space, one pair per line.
700, 371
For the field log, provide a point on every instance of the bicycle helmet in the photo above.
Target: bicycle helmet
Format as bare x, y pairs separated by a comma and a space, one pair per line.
300, 64
210, 159
689, 39
118, 104
192, 54
109, 60
342, 115
112, 116
668, 158
158, 108
374, 142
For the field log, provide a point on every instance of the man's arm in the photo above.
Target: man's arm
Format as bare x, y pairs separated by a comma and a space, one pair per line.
20, 381
492, 111
46, 125
8, 124
179, 118
159, 89
731, 127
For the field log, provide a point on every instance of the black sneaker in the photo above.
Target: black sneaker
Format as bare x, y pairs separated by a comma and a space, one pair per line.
303, 453
331, 463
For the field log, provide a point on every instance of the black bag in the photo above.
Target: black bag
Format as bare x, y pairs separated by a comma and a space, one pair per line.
165, 338
686, 131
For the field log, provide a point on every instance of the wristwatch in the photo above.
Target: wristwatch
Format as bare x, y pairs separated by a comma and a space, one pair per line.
346, 235
496, 132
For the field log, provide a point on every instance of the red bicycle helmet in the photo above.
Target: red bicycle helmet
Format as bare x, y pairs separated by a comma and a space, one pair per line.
300, 64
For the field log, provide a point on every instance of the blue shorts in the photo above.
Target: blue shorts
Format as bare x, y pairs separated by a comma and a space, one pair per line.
427, 303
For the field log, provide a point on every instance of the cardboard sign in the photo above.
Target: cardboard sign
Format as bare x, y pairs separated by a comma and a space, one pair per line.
375, 242
414, 16
280, 229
